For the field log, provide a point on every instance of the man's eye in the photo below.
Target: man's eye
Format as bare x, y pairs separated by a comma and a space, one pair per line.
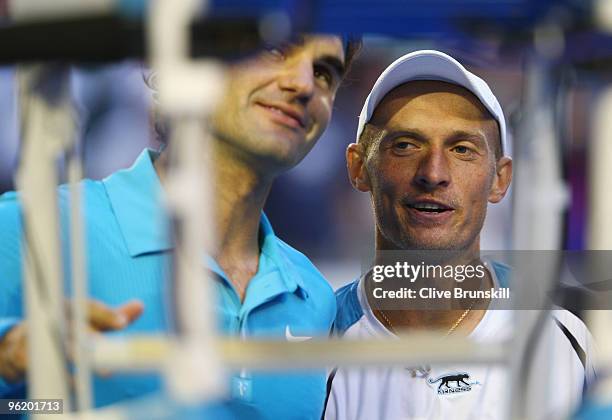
463, 150
323, 73
403, 145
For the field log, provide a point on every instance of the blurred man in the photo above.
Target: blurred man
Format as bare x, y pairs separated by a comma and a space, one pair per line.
276, 106
431, 152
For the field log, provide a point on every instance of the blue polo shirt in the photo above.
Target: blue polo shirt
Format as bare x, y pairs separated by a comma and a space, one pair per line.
129, 257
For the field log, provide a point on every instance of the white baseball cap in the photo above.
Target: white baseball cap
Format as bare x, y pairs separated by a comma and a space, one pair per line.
431, 65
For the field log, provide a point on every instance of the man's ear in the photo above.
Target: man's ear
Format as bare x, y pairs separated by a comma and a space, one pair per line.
501, 182
355, 162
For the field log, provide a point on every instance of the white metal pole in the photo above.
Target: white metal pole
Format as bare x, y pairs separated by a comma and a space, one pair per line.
539, 199
600, 229
47, 125
82, 364
188, 91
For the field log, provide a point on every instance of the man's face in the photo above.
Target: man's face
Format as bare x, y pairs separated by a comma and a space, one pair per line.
432, 170
278, 103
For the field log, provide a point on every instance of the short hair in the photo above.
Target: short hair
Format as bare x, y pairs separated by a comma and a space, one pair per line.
352, 46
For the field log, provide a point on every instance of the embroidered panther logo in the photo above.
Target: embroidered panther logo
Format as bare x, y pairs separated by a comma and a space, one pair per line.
460, 379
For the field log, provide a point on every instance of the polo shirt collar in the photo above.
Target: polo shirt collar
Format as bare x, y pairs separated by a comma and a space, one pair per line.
136, 197
275, 274
270, 247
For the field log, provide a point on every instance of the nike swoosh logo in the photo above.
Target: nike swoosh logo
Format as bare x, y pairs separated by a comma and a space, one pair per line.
294, 338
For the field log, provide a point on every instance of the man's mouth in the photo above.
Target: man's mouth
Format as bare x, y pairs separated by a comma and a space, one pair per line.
429, 212
430, 207
286, 115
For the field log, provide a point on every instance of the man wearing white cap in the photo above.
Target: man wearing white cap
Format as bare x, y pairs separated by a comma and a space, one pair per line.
431, 151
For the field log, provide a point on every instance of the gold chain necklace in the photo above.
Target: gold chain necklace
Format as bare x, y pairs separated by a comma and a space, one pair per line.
423, 371
449, 332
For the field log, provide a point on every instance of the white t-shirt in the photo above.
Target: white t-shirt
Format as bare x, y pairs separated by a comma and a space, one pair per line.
474, 392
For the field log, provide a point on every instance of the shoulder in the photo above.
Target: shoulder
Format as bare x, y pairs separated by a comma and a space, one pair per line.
10, 213
349, 309
10, 202
502, 272
11, 218
574, 324
95, 203
572, 327
93, 193
577, 337
10, 226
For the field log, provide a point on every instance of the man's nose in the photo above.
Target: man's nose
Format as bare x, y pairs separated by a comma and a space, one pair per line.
297, 78
433, 170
